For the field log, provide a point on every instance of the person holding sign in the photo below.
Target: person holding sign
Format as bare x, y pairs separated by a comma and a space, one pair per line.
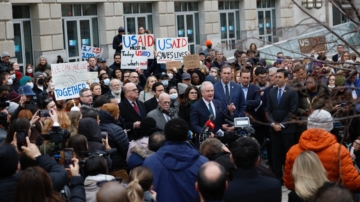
219, 60
117, 41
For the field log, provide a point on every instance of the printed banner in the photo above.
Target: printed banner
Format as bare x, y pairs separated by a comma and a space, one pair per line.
143, 43
317, 43
192, 61
69, 79
131, 59
170, 49
88, 51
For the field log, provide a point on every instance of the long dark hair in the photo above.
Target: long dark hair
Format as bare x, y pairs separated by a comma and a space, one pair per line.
35, 185
78, 143
185, 101
21, 124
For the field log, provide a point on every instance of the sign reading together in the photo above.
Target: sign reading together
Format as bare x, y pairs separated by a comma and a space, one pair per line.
69, 79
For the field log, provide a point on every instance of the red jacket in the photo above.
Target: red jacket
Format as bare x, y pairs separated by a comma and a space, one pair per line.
331, 154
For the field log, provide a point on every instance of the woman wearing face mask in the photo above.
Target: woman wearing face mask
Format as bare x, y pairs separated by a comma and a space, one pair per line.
43, 65
29, 71
105, 82
173, 76
26, 80
49, 91
174, 98
13, 81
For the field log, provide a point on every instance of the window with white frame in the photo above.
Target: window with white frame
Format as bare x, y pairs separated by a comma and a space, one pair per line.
229, 24
266, 20
138, 15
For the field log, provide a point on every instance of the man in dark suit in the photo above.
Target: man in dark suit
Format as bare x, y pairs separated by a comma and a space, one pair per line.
164, 112
201, 110
252, 97
281, 108
131, 109
230, 93
248, 184
340, 50
152, 104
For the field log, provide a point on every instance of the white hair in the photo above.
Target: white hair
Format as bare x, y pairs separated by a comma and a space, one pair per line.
162, 95
273, 69
205, 83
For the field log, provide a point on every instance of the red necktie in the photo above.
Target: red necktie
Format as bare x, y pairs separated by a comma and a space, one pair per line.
136, 108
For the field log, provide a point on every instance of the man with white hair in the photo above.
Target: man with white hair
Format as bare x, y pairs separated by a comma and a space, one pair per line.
115, 89
201, 110
334, 156
163, 113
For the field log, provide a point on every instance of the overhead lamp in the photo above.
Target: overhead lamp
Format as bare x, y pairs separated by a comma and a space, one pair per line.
318, 4
309, 4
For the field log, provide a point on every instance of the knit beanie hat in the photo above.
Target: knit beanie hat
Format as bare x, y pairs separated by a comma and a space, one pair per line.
8, 160
208, 42
339, 80
111, 108
320, 119
36, 75
24, 80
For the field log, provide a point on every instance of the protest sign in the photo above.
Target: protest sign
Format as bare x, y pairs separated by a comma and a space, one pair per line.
131, 59
317, 43
143, 43
88, 51
93, 77
172, 64
170, 49
191, 61
69, 79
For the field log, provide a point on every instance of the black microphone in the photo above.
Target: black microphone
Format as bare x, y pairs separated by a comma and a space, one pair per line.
205, 129
228, 117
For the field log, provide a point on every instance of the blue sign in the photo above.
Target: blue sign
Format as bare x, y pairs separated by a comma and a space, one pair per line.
231, 28
223, 29
85, 41
190, 31
72, 42
17, 48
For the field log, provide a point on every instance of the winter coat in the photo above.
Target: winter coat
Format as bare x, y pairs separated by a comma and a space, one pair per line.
8, 187
77, 189
175, 166
331, 154
143, 142
117, 139
91, 130
137, 156
116, 41
40, 68
319, 100
91, 186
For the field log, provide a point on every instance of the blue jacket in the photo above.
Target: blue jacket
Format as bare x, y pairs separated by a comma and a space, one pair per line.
175, 167
356, 86
236, 96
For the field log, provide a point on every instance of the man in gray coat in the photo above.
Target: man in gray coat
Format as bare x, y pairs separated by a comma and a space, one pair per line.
163, 113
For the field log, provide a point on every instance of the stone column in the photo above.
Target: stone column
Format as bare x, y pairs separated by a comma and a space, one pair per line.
47, 31
164, 19
6, 29
249, 24
209, 24
110, 17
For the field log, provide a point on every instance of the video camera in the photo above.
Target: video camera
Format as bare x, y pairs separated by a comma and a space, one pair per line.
85, 155
242, 128
58, 137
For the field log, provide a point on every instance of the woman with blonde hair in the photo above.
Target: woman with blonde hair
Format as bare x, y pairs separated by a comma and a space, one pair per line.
74, 117
147, 94
309, 174
140, 185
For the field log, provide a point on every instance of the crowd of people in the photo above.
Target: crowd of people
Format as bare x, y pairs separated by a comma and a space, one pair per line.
138, 135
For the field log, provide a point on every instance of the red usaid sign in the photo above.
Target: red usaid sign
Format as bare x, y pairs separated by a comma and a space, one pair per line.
317, 43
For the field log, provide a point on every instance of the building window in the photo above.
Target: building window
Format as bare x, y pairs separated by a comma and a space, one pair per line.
266, 20
80, 28
229, 24
338, 17
138, 15
22, 36
187, 22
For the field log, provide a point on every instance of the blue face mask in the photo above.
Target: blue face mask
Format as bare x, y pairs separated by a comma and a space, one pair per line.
106, 82
165, 82
173, 96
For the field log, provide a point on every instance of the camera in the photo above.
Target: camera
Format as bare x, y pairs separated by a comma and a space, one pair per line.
58, 137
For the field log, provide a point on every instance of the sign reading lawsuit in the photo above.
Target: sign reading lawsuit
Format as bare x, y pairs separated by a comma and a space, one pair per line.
69, 79
143, 43
171, 49
317, 43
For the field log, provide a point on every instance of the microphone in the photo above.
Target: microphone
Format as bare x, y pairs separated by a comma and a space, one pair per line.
230, 122
209, 125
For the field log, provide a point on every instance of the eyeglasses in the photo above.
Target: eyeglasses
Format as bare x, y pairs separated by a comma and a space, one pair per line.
193, 93
135, 90
166, 103
117, 58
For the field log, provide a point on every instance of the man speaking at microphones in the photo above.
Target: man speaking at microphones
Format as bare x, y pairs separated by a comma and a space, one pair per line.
203, 108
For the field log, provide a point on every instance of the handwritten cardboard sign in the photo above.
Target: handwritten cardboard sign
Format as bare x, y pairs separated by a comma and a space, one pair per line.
172, 64
88, 51
170, 49
143, 43
93, 77
131, 59
317, 43
191, 61
69, 79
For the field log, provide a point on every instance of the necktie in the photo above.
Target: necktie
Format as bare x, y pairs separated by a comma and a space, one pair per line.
279, 96
136, 108
211, 109
227, 93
